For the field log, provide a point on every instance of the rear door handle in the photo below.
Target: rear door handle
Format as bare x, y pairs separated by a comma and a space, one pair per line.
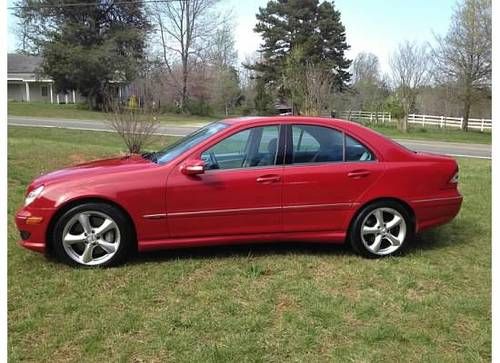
356, 174
268, 179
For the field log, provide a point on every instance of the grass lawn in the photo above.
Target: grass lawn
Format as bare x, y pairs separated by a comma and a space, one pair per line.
271, 303
44, 110
72, 111
436, 134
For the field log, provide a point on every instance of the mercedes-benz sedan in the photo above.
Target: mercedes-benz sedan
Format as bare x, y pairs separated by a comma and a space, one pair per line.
244, 180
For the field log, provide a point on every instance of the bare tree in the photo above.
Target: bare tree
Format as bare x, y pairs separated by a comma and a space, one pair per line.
185, 29
318, 86
410, 71
308, 84
136, 126
463, 56
365, 68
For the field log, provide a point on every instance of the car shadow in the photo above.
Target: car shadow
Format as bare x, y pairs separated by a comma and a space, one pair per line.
242, 250
429, 240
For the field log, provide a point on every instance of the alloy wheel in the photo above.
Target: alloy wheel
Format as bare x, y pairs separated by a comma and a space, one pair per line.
383, 231
91, 238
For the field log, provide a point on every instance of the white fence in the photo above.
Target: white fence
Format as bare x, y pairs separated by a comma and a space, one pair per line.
422, 120
372, 117
445, 121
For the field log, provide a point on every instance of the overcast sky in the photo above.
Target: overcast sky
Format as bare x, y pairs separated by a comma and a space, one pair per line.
375, 26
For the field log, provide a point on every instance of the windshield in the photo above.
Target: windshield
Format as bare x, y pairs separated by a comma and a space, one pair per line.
177, 148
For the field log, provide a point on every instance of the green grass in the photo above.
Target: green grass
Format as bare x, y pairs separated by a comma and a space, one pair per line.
267, 303
436, 134
76, 112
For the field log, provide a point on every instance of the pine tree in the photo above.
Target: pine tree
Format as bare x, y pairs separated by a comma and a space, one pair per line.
315, 28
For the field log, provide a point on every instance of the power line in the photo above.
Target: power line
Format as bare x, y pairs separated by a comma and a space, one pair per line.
39, 6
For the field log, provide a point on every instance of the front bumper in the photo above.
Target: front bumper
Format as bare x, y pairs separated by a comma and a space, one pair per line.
32, 224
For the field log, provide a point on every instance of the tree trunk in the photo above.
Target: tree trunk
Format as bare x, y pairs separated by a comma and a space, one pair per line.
466, 112
404, 121
184, 86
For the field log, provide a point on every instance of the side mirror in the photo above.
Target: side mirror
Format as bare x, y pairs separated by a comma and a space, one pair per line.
193, 167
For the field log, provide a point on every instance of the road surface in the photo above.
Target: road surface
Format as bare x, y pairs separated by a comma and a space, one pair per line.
480, 151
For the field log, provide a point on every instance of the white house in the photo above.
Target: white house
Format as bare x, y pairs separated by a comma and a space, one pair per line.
24, 84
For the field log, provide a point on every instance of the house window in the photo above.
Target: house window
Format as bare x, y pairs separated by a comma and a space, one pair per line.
45, 91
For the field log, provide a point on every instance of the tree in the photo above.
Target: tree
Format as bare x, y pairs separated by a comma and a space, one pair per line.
135, 126
365, 68
88, 45
309, 84
316, 28
370, 88
463, 56
185, 29
410, 71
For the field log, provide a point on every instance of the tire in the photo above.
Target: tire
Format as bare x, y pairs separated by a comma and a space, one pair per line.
91, 235
372, 238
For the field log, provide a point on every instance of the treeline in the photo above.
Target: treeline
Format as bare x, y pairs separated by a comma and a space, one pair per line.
180, 56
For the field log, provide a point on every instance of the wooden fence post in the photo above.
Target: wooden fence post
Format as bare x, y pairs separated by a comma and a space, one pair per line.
461, 123
371, 117
441, 122
482, 124
383, 118
423, 121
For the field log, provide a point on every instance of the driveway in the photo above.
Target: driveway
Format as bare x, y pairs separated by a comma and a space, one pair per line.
481, 151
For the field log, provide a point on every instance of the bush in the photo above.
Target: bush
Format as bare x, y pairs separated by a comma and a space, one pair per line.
395, 107
199, 108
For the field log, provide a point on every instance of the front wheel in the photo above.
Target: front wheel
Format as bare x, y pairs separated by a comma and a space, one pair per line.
92, 234
381, 229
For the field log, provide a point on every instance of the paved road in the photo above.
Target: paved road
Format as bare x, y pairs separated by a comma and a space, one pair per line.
449, 148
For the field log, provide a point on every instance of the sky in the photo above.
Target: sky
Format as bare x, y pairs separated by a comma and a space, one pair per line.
375, 26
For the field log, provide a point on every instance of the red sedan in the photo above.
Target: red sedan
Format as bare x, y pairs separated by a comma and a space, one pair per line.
244, 180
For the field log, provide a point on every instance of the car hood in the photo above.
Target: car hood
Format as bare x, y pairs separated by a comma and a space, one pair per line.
83, 172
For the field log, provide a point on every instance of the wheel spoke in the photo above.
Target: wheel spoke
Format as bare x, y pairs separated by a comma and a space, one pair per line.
394, 241
376, 244
370, 230
107, 246
396, 221
380, 217
70, 239
83, 218
87, 253
107, 225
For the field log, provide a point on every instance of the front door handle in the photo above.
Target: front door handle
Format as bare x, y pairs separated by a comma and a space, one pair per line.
268, 179
356, 174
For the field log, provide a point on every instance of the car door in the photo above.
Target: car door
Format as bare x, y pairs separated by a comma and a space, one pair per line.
239, 191
325, 172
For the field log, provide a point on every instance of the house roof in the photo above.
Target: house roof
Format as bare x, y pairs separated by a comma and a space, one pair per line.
19, 63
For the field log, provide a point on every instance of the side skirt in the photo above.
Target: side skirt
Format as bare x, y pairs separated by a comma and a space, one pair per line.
317, 237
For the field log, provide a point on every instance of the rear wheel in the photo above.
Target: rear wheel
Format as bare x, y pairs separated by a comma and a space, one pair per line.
92, 234
381, 229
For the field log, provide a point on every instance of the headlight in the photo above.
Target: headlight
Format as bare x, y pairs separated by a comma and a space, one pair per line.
35, 193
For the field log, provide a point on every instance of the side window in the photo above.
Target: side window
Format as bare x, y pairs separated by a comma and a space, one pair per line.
253, 147
316, 144
44, 91
355, 151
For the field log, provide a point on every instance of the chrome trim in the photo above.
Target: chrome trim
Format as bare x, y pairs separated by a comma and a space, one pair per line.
222, 211
435, 199
155, 216
259, 209
321, 206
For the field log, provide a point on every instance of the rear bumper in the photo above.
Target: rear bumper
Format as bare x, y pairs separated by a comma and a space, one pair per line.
32, 224
433, 212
